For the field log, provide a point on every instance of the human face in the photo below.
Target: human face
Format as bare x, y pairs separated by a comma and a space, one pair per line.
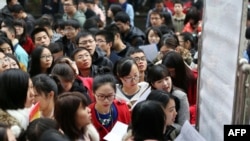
4, 62
11, 136
6, 48
68, 6
13, 63
170, 111
46, 59
9, 34
159, 6
102, 43
122, 26
164, 49
141, 61
19, 30
83, 116
42, 39
155, 20
88, 42
30, 95
70, 32
181, 40
81, 6
44, 101
83, 60
178, 8
153, 38
104, 96
163, 84
17, 15
172, 72
66, 85
109, 13
132, 79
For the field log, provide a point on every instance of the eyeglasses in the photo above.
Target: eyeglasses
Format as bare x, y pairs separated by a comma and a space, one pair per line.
46, 57
130, 79
103, 97
82, 56
67, 4
138, 59
4, 60
100, 41
85, 42
70, 29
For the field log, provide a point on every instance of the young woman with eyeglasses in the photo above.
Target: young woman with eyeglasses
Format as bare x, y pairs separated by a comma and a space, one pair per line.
106, 111
129, 88
41, 61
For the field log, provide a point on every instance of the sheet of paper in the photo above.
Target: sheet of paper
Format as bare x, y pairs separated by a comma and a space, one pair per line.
117, 132
189, 133
150, 51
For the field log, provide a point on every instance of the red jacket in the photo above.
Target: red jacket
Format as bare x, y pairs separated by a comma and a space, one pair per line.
28, 46
88, 83
123, 116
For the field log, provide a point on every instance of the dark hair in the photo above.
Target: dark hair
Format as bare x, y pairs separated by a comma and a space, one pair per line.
3, 132
55, 47
157, 72
12, 56
168, 20
83, 35
7, 41
183, 75
72, 22
43, 83
58, 24
187, 36
161, 96
3, 34
64, 71
192, 13
36, 31
157, 31
109, 36
77, 50
91, 25
123, 67
147, 114
35, 65
170, 40
11, 28
113, 28
17, 8
135, 50
178, 2
159, 1
38, 126
69, 101
102, 79
122, 17
165, 29
115, 8
13, 89
22, 38
53, 135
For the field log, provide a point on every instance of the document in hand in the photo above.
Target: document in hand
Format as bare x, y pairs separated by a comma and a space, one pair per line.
117, 132
150, 51
189, 133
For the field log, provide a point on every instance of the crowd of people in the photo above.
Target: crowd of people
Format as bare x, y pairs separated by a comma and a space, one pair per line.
71, 75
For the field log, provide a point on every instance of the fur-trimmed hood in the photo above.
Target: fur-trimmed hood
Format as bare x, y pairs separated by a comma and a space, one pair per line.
18, 120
